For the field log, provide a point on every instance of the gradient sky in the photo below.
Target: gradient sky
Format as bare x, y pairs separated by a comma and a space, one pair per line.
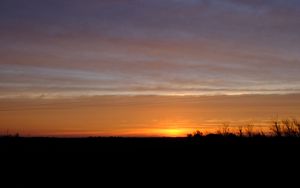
100, 67
142, 115
56, 48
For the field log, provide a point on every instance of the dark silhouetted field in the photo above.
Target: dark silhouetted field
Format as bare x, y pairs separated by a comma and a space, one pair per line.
211, 155
186, 145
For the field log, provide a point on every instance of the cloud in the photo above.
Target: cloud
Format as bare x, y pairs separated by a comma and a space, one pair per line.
171, 46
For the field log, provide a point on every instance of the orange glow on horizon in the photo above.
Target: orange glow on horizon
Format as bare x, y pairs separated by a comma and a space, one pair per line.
173, 132
141, 116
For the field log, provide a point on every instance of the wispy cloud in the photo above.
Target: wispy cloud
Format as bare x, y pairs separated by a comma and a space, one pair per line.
149, 47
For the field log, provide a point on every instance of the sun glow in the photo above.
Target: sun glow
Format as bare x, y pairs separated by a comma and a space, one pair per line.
173, 132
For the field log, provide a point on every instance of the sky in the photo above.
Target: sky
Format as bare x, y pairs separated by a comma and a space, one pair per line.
143, 115
55, 51
169, 47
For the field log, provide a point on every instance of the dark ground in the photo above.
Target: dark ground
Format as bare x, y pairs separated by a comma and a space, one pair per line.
149, 161
149, 145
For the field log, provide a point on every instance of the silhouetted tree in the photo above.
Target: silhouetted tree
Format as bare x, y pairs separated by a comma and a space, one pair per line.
240, 131
276, 128
297, 125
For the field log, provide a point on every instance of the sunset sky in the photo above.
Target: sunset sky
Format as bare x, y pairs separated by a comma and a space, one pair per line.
146, 67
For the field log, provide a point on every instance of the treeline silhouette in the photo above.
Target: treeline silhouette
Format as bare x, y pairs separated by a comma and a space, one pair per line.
288, 128
281, 137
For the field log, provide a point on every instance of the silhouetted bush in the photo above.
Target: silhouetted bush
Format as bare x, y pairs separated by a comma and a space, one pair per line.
249, 130
240, 131
196, 134
225, 130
